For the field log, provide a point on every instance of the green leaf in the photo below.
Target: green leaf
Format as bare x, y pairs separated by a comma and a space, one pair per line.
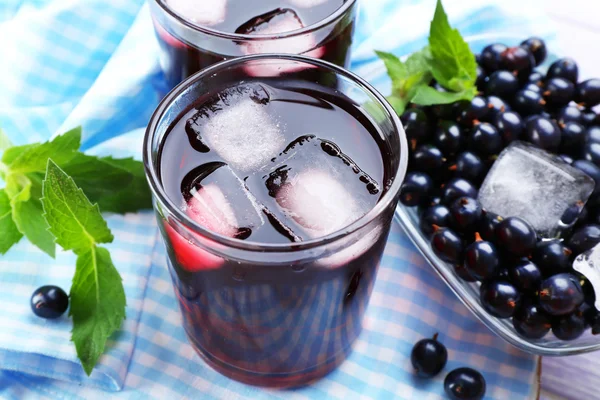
97, 304
426, 96
397, 103
97, 177
452, 62
5, 142
29, 218
33, 158
395, 68
74, 221
136, 196
9, 234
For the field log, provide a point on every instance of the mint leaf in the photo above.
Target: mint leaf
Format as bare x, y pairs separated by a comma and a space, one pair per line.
397, 103
136, 196
33, 158
452, 62
97, 304
395, 68
9, 234
29, 219
426, 96
74, 221
406, 77
97, 177
4, 141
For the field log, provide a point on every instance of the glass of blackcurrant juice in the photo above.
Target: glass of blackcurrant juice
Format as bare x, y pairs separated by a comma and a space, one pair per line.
275, 179
194, 34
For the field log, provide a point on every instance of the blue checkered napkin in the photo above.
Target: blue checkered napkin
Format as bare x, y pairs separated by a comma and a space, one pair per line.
92, 62
409, 302
42, 347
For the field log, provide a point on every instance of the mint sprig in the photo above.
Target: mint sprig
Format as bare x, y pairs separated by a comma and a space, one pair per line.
54, 194
97, 294
447, 59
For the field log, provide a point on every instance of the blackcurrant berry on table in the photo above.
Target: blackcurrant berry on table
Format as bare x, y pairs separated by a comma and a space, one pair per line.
560, 294
564, 68
464, 384
49, 302
428, 357
516, 236
530, 321
499, 298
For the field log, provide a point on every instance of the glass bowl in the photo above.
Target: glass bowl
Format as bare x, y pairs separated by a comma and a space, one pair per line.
468, 293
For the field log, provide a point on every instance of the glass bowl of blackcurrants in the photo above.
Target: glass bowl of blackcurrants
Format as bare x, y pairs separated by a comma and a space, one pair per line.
502, 196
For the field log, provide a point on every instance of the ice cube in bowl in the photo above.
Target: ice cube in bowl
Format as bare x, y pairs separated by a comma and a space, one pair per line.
468, 293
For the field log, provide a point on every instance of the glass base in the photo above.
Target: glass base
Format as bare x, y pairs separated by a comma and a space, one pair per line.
275, 380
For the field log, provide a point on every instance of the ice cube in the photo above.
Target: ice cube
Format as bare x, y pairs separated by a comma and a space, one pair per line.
280, 20
200, 11
530, 183
218, 200
307, 3
236, 126
314, 188
588, 264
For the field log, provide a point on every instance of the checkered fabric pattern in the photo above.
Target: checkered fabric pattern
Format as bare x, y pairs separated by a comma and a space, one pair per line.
94, 63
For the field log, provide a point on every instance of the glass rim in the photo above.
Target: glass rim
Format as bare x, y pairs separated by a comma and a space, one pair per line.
159, 192
257, 37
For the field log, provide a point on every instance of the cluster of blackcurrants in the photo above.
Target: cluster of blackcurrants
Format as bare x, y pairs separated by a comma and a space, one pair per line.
429, 357
452, 148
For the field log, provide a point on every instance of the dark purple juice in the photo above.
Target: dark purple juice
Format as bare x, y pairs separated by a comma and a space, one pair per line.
275, 161
186, 51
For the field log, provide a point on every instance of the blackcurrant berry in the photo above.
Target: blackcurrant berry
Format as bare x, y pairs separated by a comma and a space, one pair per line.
49, 302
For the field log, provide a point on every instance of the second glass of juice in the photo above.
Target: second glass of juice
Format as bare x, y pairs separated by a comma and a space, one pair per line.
194, 34
275, 196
